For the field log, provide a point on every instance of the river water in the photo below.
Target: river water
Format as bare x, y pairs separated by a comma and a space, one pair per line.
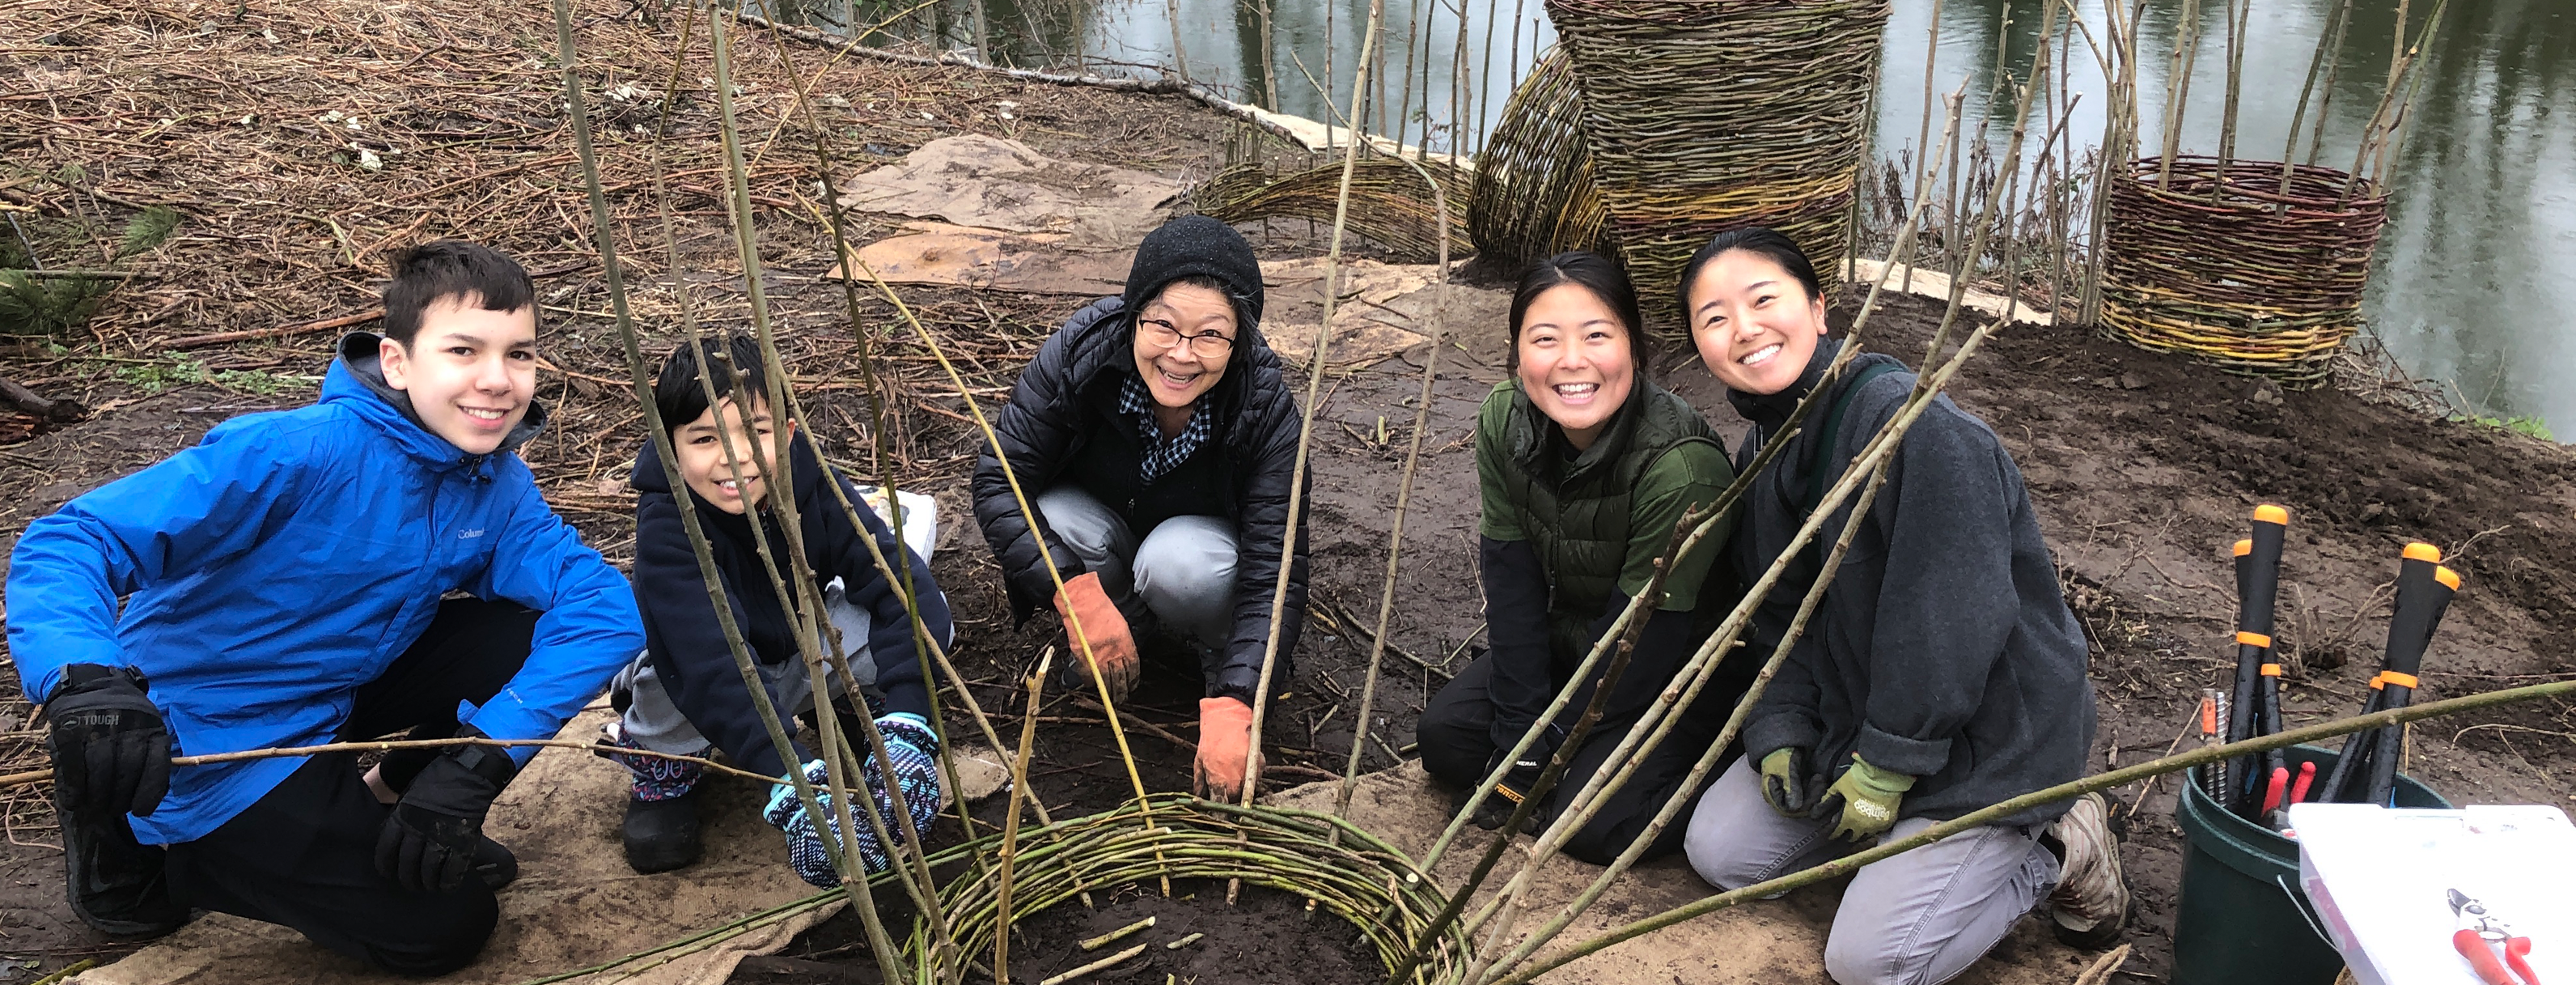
2475, 280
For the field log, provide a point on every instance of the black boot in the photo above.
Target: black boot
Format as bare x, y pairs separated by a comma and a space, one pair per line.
662, 835
114, 882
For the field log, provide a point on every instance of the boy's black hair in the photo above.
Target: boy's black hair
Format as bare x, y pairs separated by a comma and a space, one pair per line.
1770, 244
681, 396
452, 268
1592, 272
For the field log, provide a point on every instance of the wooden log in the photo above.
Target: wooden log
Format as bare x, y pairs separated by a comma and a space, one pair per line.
29, 401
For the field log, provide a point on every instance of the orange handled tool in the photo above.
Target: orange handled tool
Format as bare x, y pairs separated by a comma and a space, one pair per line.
2258, 577
2490, 946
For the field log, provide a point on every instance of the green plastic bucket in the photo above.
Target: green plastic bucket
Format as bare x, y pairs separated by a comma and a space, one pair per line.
2244, 920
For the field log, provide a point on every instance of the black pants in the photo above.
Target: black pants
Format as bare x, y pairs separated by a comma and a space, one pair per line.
304, 855
1455, 735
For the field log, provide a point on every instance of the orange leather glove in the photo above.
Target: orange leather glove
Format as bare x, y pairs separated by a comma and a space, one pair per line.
1225, 738
1112, 646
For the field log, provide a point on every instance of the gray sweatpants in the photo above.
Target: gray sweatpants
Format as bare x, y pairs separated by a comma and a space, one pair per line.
1919, 918
1183, 569
653, 722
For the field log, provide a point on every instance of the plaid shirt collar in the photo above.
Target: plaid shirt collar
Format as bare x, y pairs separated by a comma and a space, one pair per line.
1162, 455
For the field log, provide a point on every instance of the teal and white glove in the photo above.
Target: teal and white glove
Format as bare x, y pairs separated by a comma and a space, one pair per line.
911, 748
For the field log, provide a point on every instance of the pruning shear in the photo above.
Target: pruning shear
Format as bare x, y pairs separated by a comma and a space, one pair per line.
2482, 937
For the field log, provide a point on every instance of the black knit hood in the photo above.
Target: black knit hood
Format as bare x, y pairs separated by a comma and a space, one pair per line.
1193, 246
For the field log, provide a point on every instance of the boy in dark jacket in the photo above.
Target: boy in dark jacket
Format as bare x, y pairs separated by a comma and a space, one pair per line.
685, 694
282, 586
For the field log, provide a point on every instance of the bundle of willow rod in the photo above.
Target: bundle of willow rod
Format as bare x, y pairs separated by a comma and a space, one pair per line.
1704, 117
1534, 196
2225, 265
1335, 864
1390, 205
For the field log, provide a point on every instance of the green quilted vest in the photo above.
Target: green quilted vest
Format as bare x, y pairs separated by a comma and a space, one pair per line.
1575, 512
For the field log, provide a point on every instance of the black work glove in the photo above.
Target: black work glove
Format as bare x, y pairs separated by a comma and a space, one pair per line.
1516, 787
428, 843
111, 750
400, 766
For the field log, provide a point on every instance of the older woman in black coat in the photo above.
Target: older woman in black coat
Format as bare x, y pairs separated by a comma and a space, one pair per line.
1156, 438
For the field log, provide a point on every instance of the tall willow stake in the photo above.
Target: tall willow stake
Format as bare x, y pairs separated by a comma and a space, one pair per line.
2179, 62
810, 625
854, 882
1036, 684
1403, 500
1020, 497
1320, 355
925, 648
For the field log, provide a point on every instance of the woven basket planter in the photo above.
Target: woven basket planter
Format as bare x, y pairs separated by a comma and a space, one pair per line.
1344, 870
1391, 204
2221, 266
1534, 196
1710, 115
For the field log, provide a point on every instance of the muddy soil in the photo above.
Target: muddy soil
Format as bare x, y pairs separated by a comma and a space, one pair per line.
1244, 944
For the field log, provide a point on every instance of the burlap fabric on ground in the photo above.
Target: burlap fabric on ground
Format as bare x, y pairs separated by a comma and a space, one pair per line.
576, 904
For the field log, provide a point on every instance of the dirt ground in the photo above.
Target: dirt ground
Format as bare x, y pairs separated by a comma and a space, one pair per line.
2143, 467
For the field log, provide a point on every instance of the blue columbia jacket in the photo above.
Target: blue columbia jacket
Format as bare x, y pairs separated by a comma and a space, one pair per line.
291, 557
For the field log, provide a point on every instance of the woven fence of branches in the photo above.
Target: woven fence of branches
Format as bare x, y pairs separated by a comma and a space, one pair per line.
1704, 117
2221, 263
1391, 204
1534, 196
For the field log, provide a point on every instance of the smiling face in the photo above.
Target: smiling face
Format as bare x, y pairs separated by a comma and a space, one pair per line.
1575, 361
701, 454
1753, 321
470, 372
1176, 372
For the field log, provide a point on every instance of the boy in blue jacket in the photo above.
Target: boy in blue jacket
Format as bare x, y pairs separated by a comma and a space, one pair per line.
685, 695
286, 583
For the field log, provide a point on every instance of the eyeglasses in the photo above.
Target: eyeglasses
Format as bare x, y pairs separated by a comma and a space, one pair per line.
1165, 335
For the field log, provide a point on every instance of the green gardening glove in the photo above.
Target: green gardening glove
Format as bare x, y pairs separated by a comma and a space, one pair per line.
1869, 798
1785, 784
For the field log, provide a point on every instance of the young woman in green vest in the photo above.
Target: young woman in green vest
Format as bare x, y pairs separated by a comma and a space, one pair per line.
1586, 466
1941, 673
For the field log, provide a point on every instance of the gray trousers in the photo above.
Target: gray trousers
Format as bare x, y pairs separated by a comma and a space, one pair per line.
1183, 569
1919, 918
653, 722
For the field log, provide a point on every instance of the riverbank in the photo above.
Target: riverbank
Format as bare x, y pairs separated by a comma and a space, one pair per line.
2143, 467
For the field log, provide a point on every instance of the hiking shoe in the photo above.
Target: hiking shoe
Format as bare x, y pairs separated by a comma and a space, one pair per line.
661, 835
494, 865
2090, 905
116, 883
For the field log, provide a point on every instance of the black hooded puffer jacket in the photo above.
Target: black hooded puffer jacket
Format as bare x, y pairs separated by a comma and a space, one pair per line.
1069, 394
